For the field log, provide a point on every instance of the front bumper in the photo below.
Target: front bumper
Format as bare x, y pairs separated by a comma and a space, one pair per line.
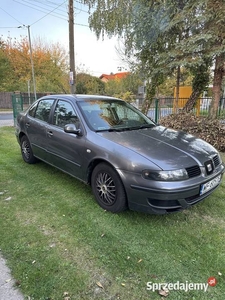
170, 197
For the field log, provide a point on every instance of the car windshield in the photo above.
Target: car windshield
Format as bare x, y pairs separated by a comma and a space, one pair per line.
113, 115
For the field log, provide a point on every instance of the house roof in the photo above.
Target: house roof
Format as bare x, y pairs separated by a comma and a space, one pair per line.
114, 76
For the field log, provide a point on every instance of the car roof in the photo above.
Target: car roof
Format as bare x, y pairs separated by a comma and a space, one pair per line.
80, 97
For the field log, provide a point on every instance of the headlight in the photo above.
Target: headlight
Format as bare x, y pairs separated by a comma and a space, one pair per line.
173, 175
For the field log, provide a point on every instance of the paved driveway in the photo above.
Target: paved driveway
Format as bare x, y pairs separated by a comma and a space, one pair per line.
7, 283
6, 119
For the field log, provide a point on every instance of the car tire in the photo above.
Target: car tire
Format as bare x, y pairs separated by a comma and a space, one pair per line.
26, 151
108, 188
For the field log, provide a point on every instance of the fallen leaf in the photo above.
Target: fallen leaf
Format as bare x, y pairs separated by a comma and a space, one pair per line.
18, 282
210, 131
100, 285
9, 198
164, 293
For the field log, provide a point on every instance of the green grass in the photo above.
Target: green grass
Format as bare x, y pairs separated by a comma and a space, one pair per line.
56, 238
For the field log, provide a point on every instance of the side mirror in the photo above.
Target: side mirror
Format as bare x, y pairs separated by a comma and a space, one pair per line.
71, 128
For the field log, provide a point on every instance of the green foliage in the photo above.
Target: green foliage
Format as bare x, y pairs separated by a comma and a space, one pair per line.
167, 87
201, 76
123, 87
164, 35
50, 66
151, 88
128, 97
5, 72
88, 84
109, 17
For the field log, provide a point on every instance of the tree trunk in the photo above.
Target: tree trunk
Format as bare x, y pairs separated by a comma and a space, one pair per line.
191, 101
150, 93
217, 84
146, 105
177, 90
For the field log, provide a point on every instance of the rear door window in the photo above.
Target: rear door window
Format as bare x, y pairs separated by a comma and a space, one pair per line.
43, 109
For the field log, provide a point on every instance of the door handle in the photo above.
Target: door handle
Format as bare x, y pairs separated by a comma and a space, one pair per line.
50, 133
27, 124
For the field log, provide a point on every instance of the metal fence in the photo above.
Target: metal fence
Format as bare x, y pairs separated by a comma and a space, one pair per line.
162, 107
159, 108
20, 101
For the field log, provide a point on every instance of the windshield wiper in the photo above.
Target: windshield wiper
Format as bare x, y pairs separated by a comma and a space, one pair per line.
141, 127
146, 126
108, 129
119, 129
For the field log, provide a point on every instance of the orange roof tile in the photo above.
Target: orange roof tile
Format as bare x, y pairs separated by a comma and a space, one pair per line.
114, 76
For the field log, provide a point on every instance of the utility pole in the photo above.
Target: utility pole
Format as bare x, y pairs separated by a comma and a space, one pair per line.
32, 63
71, 49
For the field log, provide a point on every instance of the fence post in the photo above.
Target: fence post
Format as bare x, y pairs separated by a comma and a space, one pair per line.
17, 104
156, 110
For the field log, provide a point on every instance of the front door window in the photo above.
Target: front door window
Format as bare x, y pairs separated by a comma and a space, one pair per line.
64, 114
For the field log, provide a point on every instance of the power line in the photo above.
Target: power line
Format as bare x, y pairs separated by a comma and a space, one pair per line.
77, 8
49, 12
8, 27
10, 15
41, 9
45, 6
46, 3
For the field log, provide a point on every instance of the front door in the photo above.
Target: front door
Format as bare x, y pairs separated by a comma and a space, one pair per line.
65, 150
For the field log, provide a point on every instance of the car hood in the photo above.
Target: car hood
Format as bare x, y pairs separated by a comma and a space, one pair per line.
167, 148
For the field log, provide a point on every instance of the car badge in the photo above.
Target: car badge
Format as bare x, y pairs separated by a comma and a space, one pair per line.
209, 167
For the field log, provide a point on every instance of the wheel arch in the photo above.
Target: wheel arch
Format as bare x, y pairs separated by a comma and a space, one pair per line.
94, 163
21, 134
110, 192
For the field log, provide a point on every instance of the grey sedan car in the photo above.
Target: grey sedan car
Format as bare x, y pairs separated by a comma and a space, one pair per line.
129, 161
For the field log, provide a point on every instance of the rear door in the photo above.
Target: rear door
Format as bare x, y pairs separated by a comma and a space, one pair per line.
36, 124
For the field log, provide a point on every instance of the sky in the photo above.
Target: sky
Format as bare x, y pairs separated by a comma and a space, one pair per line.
48, 20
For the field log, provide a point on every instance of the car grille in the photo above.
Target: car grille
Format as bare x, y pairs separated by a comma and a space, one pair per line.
193, 171
196, 171
216, 160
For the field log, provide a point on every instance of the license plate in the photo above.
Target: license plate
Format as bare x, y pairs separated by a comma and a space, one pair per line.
210, 185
